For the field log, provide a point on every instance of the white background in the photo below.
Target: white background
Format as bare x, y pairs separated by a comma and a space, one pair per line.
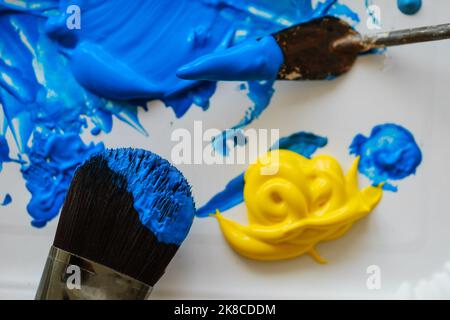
407, 236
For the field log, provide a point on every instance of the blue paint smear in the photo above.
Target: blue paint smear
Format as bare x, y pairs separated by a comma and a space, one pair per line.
409, 7
53, 159
303, 143
251, 60
389, 153
7, 200
161, 194
58, 84
229, 197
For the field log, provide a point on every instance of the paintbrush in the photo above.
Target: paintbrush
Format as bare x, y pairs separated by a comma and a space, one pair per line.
320, 49
126, 213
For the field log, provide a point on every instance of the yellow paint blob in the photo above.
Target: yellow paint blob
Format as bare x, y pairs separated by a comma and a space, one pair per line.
294, 203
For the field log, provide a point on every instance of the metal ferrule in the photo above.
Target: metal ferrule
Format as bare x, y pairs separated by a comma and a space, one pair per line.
70, 277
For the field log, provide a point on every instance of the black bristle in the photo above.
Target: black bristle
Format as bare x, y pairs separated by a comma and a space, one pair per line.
99, 222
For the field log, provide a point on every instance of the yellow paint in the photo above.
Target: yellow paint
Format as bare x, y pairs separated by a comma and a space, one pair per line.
294, 203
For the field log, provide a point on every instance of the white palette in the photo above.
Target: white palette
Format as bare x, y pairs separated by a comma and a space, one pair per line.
407, 236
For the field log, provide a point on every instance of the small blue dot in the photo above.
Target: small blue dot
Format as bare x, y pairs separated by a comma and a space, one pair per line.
409, 7
7, 200
96, 131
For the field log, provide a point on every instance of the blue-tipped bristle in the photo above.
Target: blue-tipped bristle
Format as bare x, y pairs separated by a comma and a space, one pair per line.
162, 196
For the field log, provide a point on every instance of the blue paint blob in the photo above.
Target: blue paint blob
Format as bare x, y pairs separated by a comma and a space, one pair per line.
52, 161
96, 131
409, 7
303, 143
7, 200
251, 60
56, 82
162, 196
389, 153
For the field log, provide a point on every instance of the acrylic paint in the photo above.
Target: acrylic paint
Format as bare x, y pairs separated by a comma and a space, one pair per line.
306, 202
6, 200
58, 79
389, 153
161, 195
308, 199
303, 143
409, 7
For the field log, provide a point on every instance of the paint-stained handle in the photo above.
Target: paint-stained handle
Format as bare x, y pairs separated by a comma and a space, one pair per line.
393, 38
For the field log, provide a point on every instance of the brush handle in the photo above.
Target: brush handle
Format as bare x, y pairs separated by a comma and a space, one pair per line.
69, 277
393, 38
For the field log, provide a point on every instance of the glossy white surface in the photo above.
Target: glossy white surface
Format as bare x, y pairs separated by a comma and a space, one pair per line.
406, 236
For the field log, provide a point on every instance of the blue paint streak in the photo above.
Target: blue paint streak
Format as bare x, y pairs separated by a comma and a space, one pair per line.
303, 143
251, 60
409, 7
389, 153
55, 83
161, 194
7, 200
229, 197
4, 153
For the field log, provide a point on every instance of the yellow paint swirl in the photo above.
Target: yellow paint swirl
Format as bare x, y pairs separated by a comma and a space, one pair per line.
304, 202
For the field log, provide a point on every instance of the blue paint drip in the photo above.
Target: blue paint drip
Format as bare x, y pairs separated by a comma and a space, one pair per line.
55, 82
303, 143
409, 7
161, 194
7, 200
4, 153
389, 153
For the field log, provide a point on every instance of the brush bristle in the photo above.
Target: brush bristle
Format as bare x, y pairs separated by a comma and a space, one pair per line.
128, 210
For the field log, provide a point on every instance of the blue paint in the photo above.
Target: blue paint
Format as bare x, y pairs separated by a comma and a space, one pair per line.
251, 60
55, 83
409, 7
6, 200
260, 92
303, 143
53, 159
389, 153
229, 197
161, 194
4, 152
